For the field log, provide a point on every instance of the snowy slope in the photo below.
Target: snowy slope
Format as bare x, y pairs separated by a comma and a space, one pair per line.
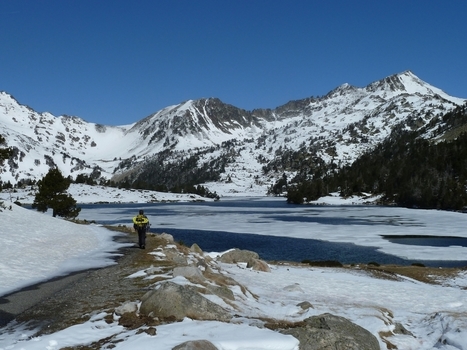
86, 194
67, 247
337, 127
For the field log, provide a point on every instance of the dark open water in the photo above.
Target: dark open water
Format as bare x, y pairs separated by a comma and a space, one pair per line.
271, 248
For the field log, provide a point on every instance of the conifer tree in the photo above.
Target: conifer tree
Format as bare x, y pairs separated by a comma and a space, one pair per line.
52, 194
4, 152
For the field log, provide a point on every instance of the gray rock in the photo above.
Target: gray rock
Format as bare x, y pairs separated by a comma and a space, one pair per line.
221, 291
196, 249
168, 237
195, 345
129, 306
400, 329
330, 332
150, 331
176, 257
190, 272
237, 255
305, 305
258, 265
171, 300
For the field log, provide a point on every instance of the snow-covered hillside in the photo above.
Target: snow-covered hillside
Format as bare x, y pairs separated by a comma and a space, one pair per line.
242, 147
86, 194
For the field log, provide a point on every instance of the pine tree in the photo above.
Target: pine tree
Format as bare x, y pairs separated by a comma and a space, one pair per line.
4, 152
52, 194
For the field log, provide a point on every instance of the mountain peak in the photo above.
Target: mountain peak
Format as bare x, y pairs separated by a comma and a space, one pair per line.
215, 135
341, 90
407, 73
5, 97
408, 77
405, 82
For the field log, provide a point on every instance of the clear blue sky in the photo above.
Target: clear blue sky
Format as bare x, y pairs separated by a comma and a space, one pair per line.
117, 61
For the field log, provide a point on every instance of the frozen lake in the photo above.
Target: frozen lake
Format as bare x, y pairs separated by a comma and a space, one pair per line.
279, 231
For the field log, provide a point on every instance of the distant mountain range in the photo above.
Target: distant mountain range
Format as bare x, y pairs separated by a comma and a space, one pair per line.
218, 145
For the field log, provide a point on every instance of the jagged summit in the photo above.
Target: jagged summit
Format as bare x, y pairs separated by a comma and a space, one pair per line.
217, 141
341, 90
407, 83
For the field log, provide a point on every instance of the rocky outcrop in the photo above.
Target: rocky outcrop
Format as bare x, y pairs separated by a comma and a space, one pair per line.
330, 332
170, 302
174, 301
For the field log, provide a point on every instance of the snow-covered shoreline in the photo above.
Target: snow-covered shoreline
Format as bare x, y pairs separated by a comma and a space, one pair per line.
36, 247
432, 315
86, 194
42, 247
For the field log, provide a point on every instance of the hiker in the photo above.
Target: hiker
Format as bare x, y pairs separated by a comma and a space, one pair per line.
141, 225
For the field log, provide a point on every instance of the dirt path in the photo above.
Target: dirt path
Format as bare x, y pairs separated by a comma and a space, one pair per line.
62, 301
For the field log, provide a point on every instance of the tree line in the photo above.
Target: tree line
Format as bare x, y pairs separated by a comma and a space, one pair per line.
52, 190
406, 169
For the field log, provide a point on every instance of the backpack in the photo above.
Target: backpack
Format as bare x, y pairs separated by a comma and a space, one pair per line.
140, 222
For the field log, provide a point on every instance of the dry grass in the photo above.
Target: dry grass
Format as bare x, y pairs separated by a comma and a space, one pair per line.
432, 275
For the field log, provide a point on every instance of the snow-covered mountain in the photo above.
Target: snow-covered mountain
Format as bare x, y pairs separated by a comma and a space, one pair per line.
217, 144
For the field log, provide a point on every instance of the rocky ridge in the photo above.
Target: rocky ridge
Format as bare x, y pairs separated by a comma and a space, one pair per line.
207, 141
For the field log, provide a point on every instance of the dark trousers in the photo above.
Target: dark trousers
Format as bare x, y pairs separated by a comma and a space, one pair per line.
142, 237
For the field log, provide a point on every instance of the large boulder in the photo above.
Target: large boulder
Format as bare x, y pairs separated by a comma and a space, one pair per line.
236, 255
173, 301
330, 332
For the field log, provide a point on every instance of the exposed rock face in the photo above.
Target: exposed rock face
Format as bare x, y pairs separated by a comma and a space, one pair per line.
171, 300
330, 332
195, 345
236, 255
